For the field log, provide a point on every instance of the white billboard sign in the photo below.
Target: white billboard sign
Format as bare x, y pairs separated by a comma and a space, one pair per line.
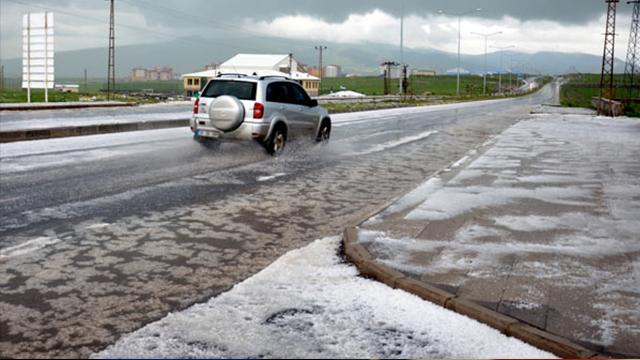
38, 52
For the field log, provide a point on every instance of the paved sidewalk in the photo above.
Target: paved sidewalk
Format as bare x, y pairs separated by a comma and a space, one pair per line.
543, 227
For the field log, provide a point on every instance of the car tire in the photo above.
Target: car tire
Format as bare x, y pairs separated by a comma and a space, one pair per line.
324, 134
277, 141
206, 142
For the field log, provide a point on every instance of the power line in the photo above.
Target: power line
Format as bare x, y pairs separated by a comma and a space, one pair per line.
486, 38
89, 19
175, 12
190, 17
93, 20
502, 49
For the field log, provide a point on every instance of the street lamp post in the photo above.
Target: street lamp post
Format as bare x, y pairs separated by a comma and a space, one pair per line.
459, 15
511, 71
486, 40
502, 49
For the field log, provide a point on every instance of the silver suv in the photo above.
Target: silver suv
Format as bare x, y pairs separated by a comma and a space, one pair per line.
268, 109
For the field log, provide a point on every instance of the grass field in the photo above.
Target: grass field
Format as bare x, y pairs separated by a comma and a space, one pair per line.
12, 93
418, 85
580, 89
162, 87
19, 96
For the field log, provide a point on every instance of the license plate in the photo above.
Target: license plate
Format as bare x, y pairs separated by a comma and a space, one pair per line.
210, 134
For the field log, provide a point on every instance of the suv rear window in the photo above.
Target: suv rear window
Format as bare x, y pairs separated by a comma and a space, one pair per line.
241, 89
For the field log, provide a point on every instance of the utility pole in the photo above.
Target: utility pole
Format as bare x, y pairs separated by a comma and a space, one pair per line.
486, 40
387, 75
385, 91
502, 49
608, 57
405, 79
1, 78
111, 71
459, 15
404, 73
511, 72
290, 64
29, 57
320, 49
85, 80
46, 57
632, 67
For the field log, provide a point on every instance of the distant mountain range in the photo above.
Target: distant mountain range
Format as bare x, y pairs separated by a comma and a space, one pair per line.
188, 55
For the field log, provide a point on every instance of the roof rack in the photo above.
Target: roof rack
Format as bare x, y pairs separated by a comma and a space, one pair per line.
275, 77
238, 75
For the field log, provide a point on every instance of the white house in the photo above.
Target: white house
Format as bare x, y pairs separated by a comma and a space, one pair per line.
254, 64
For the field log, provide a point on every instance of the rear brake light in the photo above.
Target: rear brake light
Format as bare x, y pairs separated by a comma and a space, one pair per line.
196, 106
258, 111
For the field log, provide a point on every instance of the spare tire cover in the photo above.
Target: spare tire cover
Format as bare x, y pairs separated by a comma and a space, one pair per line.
226, 113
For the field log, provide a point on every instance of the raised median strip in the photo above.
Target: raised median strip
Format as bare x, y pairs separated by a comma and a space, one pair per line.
63, 105
60, 132
513, 327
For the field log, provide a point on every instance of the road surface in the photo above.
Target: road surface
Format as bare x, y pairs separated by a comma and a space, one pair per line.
100, 235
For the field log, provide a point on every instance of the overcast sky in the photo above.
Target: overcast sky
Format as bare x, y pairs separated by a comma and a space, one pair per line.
530, 25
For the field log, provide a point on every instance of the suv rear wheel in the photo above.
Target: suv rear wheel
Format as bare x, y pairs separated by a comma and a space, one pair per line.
324, 134
277, 141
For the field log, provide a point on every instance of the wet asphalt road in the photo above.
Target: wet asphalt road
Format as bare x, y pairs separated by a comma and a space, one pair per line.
101, 235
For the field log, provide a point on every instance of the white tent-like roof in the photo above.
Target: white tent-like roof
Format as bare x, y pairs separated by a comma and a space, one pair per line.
258, 64
256, 61
455, 71
213, 73
203, 74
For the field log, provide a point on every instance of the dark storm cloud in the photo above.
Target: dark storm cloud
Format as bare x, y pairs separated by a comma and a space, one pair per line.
565, 11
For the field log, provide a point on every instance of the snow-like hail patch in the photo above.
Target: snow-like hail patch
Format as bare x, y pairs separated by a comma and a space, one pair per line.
415, 197
28, 247
271, 177
309, 304
458, 163
561, 195
342, 94
97, 226
451, 202
345, 119
530, 223
395, 143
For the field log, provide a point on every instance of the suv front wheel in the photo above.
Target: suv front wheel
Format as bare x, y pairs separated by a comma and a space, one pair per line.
277, 141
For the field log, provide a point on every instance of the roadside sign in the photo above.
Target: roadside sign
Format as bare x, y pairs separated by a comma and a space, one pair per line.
38, 53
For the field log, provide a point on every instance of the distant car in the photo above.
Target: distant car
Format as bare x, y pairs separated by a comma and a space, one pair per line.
267, 109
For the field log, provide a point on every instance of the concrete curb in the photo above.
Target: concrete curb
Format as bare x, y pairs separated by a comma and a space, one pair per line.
61, 106
509, 326
60, 132
505, 324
